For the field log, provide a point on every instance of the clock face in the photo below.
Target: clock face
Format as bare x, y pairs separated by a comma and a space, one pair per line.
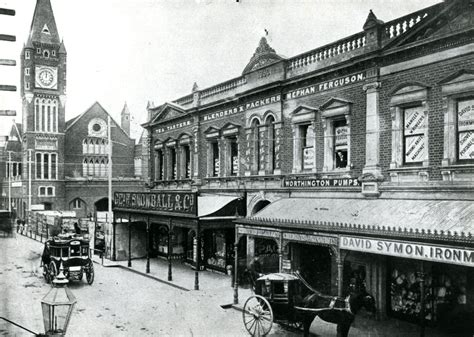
46, 77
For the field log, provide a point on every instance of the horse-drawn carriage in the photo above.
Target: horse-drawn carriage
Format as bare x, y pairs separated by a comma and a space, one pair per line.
72, 254
289, 300
6, 222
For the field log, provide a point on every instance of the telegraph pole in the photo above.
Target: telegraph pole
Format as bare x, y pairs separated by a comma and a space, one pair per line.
110, 216
29, 179
9, 170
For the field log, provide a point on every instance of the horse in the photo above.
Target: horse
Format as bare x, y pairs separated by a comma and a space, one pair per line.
334, 309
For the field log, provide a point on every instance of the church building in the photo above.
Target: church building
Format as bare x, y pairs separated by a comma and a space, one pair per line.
56, 164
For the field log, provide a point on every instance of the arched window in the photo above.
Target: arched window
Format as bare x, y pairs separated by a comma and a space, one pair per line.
84, 146
55, 116
102, 168
97, 172
102, 147
270, 122
256, 145
37, 115
90, 168
84, 167
48, 116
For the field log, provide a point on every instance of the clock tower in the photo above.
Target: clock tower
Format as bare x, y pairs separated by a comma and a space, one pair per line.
43, 91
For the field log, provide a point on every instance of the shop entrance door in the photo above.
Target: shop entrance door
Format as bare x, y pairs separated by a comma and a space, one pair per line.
314, 264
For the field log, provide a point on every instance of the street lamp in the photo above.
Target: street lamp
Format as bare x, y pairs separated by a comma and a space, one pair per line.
57, 306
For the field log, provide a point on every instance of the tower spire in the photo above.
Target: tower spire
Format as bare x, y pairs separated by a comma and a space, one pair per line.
43, 26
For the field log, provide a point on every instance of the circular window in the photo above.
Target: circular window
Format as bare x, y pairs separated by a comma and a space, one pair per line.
96, 127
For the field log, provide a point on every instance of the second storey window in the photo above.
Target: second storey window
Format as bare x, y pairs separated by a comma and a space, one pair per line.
46, 166
465, 129
216, 165
234, 157
159, 164
414, 124
186, 162
341, 142
307, 146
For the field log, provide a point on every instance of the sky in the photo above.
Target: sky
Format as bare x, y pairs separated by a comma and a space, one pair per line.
136, 51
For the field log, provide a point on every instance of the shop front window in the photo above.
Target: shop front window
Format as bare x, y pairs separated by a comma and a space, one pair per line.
448, 294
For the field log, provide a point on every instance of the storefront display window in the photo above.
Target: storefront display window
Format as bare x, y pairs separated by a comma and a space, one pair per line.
449, 295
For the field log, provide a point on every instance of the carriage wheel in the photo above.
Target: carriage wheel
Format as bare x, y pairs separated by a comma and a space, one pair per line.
257, 315
90, 273
53, 271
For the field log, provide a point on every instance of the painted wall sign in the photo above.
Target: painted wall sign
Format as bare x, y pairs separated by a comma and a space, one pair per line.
310, 238
258, 232
241, 108
409, 250
176, 202
173, 126
343, 182
337, 83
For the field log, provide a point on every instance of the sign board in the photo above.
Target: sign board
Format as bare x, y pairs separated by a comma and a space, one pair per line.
176, 202
310, 238
286, 264
318, 183
409, 250
308, 158
37, 207
258, 232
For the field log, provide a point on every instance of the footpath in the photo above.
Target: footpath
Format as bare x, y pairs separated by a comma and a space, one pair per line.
217, 288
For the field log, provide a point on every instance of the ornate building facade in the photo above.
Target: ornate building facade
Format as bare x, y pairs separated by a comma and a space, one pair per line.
354, 162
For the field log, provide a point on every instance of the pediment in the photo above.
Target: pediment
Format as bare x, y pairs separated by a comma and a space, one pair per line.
212, 132
440, 20
459, 82
408, 92
230, 129
334, 103
459, 76
303, 113
167, 112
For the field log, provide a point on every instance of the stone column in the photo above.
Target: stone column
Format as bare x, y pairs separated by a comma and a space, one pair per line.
248, 151
297, 164
372, 143
277, 151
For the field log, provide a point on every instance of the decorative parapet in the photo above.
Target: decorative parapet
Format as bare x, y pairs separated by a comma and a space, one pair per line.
223, 87
367, 229
329, 51
400, 26
188, 99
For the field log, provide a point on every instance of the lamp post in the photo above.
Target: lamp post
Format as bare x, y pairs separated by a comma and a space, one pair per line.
57, 306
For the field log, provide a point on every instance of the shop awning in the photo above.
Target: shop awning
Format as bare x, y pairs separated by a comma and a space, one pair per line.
394, 215
208, 205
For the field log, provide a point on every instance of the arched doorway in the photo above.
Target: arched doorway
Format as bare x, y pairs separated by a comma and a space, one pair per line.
102, 205
260, 205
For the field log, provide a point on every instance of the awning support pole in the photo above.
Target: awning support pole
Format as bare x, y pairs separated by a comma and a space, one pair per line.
236, 263
147, 245
129, 241
422, 299
114, 225
198, 258
170, 252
